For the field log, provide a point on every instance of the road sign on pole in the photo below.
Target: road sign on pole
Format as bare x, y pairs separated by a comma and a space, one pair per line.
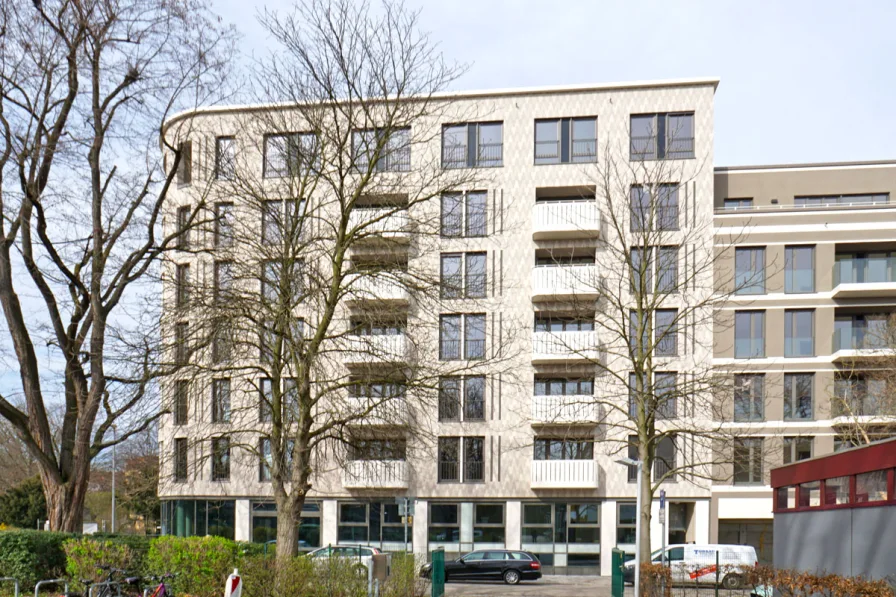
663, 522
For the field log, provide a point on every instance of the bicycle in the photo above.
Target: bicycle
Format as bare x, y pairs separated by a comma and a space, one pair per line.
162, 590
105, 586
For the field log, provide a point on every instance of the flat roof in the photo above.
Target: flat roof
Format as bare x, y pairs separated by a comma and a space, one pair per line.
482, 93
806, 166
879, 455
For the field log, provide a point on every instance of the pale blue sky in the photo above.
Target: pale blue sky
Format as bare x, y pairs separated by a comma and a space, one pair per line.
802, 81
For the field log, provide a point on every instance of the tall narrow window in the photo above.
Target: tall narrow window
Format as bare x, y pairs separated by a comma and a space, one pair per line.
474, 337
265, 401
181, 402
474, 275
183, 227
749, 397
449, 398
225, 157
223, 225
748, 461
666, 333
654, 210
271, 222
799, 269
185, 165
182, 286
749, 270
799, 335
464, 214
264, 459
449, 337
180, 459
449, 459
475, 216
797, 448
474, 398
664, 463
181, 348
223, 281
667, 270
452, 276
667, 207
474, 459
749, 334
665, 390
221, 401
798, 390
221, 459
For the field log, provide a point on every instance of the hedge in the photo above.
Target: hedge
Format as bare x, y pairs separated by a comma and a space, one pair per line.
30, 556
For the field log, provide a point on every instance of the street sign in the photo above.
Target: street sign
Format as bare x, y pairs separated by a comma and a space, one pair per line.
405, 508
662, 499
662, 516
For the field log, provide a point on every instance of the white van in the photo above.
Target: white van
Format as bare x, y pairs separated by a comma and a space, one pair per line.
696, 564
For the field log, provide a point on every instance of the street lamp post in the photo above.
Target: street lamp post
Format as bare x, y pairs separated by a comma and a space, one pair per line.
114, 441
640, 465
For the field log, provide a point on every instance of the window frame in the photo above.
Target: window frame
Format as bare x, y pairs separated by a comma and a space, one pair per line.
566, 140
221, 459
791, 340
790, 255
755, 343
750, 287
752, 378
791, 447
181, 403
225, 157
659, 142
443, 525
472, 146
221, 400
181, 459
754, 448
490, 525
791, 400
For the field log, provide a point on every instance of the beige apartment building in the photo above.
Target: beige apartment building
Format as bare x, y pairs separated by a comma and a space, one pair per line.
522, 460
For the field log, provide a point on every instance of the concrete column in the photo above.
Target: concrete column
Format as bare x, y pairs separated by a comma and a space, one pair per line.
607, 536
242, 530
656, 529
513, 529
329, 521
421, 528
702, 520
466, 525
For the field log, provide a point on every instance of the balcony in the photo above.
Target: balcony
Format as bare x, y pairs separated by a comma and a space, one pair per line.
564, 474
564, 347
552, 282
563, 410
375, 474
374, 349
381, 288
383, 224
565, 219
862, 277
860, 342
380, 411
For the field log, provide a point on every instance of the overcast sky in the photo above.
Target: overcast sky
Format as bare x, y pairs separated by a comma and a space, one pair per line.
802, 81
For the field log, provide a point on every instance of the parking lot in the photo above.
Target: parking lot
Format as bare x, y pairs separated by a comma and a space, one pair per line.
547, 586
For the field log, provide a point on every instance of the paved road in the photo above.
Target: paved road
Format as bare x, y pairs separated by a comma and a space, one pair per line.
548, 586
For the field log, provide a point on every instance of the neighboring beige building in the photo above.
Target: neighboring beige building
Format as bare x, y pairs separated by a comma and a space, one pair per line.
814, 247
537, 149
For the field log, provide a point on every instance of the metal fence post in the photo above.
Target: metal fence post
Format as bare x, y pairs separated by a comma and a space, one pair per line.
617, 587
438, 572
717, 573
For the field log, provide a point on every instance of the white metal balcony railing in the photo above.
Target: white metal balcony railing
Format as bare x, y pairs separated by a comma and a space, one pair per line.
579, 280
372, 349
380, 222
565, 219
564, 409
565, 346
564, 474
378, 411
375, 474
378, 287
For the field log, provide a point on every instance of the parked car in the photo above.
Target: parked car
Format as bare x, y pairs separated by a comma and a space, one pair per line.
511, 566
696, 564
362, 554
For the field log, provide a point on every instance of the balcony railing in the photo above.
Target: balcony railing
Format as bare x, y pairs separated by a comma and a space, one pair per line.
378, 411
566, 219
564, 474
396, 160
564, 409
375, 474
565, 346
377, 287
865, 277
566, 280
379, 222
859, 338
371, 349
490, 155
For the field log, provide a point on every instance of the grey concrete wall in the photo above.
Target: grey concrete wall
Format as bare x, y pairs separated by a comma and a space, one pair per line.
849, 542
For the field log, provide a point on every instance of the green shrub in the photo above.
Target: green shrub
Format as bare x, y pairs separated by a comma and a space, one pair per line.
202, 564
86, 555
30, 556
334, 577
24, 504
405, 579
138, 544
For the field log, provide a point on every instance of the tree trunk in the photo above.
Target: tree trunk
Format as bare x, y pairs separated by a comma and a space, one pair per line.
644, 514
289, 513
65, 503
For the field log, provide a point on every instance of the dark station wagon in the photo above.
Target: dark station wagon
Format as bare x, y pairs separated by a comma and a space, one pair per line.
511, 566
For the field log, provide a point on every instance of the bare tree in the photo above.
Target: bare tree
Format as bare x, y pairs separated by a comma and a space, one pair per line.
650, 289
84, 88
319, 304
863, 396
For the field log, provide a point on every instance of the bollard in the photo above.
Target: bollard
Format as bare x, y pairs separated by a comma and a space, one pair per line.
234, 586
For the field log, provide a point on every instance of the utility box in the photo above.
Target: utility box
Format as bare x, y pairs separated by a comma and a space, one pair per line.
381, 567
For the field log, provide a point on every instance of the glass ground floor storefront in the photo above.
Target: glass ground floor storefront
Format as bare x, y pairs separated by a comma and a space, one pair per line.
570, 536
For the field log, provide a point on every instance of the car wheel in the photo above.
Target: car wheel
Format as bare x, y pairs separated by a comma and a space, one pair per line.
732, 581
511, 577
